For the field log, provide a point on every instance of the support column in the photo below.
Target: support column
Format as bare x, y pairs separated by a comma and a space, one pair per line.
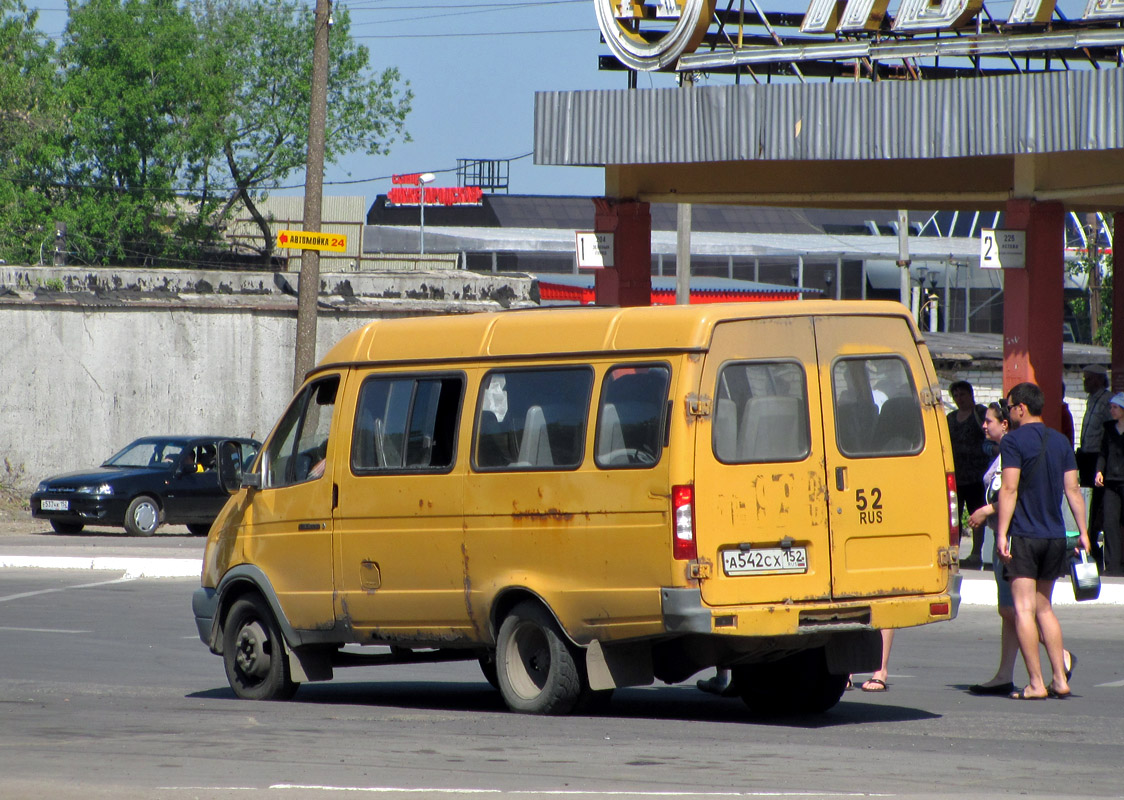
1117, 371
1033, 310
629, 281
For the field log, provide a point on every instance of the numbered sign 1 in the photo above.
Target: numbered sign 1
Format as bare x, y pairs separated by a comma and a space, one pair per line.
594, 250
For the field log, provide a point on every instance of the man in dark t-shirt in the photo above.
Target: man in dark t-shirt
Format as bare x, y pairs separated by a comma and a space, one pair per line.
1038, 468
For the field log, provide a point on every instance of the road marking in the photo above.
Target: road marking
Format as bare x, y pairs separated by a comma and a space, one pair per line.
560, 792
1110, 685
22, 595
40, 630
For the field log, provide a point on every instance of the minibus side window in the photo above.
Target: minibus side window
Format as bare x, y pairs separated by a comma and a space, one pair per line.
532, 419
761, 413
297, 450
406, 424
630, 417
877, 410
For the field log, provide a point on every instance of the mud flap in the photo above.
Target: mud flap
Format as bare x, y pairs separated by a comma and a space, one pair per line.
306, 665
853, 651
616, 666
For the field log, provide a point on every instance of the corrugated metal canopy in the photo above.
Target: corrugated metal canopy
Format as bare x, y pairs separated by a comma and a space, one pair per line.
944, 144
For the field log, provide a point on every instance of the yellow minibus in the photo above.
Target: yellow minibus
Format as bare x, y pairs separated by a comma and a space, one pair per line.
591, 498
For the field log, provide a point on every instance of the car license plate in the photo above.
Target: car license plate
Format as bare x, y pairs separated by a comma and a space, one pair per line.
55, 505
765, 560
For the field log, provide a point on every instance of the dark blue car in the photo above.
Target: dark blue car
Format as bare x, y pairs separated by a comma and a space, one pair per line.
154, 481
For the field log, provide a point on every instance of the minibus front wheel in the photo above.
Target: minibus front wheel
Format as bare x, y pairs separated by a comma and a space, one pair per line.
253, 652
537, 670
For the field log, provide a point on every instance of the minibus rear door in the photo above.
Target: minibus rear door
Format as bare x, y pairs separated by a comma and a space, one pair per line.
885, 467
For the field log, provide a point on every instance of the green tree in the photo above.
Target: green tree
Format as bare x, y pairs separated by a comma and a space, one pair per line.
30, 123
131, 81
1080, 306
264, 52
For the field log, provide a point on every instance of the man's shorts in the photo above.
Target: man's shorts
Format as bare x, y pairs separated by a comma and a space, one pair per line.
1041, 559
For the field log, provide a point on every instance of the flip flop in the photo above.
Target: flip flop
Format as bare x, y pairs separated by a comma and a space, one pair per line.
1056, 695
1022, 695
873, 685
1072, 666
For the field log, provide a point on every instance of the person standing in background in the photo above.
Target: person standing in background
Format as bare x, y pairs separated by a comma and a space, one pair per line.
969, 457
1067, 420
1110, 477
1095, 379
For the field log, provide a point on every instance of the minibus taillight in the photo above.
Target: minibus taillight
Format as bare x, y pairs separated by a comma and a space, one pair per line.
953, 511
683, 506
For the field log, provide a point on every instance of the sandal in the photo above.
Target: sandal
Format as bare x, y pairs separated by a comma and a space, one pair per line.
873, 685
1022, 695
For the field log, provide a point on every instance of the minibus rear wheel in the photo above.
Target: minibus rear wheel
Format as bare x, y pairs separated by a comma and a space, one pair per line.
796, 684
537, 670
254, 653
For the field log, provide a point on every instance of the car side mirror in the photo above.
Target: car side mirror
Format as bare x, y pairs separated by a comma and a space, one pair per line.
230, 467
251, 480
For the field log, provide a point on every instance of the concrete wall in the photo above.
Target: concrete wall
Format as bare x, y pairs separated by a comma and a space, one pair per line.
84, 373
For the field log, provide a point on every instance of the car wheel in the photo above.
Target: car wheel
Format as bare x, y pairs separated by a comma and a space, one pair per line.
143, 516
254, 653
537, 670
797, 684
67, 527
199, 529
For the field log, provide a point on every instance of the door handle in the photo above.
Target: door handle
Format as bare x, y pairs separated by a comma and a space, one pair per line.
310, 526
841, 478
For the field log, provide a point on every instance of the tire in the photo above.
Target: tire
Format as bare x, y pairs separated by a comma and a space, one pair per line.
143, 517
537, 670
199, 528
253, 652
66, 527
796, 684
488, 667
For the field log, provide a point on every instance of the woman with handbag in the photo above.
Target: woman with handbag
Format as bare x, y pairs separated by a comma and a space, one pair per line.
995, 426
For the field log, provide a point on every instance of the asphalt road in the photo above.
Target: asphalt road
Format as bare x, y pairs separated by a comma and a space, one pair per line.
106, 691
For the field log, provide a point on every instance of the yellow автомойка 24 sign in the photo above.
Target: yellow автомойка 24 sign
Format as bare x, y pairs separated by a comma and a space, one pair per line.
303, 240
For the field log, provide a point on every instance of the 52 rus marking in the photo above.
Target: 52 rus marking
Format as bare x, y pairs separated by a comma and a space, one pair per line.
869, 508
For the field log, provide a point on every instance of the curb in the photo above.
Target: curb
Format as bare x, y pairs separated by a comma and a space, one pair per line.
132, 567
981, 591
977, 589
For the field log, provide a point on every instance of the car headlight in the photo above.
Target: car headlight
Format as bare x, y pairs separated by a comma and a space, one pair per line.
42, 487
104, 488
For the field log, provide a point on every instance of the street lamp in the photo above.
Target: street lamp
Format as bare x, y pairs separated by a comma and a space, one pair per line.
423, 179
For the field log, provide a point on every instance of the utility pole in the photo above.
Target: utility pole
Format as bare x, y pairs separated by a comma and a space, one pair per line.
313, 194
903, 255
1092, 228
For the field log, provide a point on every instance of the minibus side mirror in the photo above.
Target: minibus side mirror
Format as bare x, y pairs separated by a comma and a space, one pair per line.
230, 467
251, 480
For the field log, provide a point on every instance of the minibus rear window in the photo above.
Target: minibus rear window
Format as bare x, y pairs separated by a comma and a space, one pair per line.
630, 418
761, 413
532, 419
406, 423
877, 410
